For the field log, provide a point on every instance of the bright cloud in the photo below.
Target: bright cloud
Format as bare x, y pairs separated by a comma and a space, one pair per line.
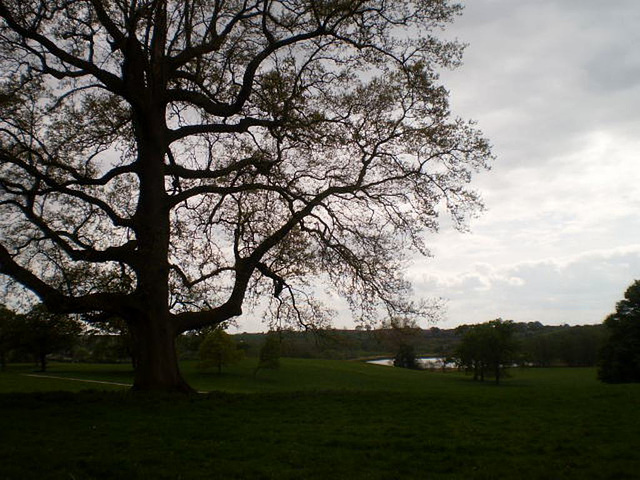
579, 289
555, 86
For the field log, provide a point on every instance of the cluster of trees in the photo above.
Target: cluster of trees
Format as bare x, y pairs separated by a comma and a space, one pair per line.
539, 345
37, 333
576, 346
40, 333
487, 349
614, 346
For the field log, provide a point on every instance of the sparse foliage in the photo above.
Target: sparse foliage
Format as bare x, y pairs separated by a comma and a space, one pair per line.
167, 162
620, 355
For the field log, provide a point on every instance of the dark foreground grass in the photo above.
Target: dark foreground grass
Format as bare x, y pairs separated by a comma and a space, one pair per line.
322, 420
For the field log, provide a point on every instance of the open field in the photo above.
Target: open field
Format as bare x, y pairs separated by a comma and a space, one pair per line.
319, 420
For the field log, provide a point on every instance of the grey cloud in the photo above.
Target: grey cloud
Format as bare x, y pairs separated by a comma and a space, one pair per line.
539, 76
616, 67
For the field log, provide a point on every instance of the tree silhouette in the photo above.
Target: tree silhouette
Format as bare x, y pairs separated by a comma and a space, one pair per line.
42, 333
620, 355
406, 357
165, 161
269, 357
487, 348
217, 350
7, 334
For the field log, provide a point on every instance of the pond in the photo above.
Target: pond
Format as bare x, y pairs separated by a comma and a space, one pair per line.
425, 362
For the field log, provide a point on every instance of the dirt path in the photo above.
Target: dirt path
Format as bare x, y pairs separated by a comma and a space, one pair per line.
77, 379
35, 375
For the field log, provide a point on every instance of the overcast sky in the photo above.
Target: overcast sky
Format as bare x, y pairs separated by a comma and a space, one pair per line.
555, 86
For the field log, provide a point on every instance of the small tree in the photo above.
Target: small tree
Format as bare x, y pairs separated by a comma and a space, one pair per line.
218, 349
402, 334
620, 355
406, 357
269, 353
42, 333
445, 355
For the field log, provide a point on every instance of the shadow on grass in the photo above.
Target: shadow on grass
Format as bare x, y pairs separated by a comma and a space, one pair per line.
539, 424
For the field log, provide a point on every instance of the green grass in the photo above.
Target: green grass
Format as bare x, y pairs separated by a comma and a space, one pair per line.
316, 419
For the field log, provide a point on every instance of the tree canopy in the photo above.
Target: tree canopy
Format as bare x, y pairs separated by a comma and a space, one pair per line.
620, 355
487, 348
167, 162
406, 357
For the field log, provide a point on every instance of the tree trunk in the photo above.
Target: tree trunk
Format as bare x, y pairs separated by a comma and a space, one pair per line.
42, 361
157, 360
152, 333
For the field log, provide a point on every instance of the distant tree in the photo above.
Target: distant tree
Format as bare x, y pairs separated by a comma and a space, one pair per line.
269, 353
217, 350
7, 337
620, 355
444, 355
406, 357
487, 348
402, 334
42, 333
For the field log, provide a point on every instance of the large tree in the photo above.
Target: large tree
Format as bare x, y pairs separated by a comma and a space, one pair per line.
620, 354
168, 161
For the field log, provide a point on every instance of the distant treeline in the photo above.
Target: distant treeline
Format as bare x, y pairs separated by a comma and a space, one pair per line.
576, 346
539, 345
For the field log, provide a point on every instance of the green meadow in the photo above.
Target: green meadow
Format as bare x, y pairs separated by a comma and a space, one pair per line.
318, 419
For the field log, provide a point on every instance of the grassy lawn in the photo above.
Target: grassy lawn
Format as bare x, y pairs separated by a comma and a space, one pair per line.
318, 419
